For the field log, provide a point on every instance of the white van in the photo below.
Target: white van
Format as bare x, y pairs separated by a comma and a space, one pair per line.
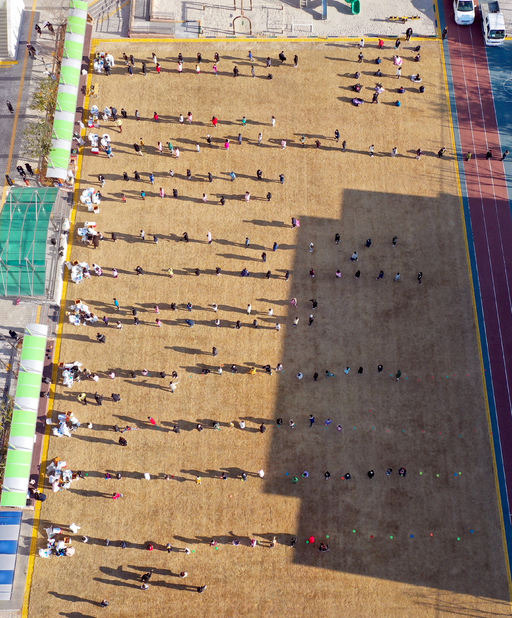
464, 12
493, 23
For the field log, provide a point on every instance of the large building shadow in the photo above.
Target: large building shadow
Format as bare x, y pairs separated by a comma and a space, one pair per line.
433, 421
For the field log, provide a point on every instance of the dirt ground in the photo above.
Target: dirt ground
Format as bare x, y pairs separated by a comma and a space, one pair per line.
394, 542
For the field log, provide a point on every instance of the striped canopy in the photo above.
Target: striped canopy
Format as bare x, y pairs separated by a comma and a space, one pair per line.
67, 94
24, 417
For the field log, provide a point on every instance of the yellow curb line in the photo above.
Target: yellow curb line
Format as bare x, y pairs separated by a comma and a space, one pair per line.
7, 63
58, 342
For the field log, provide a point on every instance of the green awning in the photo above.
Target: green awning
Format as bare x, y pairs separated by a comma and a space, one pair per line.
66, 102
72, 49
62, 135
24, 418
27, 417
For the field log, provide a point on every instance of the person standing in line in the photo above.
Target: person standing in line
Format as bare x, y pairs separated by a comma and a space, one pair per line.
504, 155
273, 121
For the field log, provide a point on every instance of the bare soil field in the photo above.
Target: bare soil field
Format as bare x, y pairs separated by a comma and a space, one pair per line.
429, 543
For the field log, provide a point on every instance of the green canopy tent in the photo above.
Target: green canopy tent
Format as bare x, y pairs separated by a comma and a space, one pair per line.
24, 417
67, 94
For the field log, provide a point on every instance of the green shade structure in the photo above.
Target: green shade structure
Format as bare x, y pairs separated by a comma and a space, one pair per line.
67, 94
24, 223
24, 417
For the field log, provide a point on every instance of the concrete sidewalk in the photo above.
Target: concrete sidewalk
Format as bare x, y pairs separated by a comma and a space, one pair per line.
264, 18
19, 81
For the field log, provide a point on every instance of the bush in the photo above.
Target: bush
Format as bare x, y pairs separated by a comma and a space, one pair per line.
6, 408
45, 97
38, 134
38, 138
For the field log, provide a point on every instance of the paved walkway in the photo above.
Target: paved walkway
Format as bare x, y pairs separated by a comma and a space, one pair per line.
20, 80
489, 224
272, 18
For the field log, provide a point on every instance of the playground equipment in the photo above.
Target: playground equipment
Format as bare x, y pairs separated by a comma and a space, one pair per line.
355, 5
241, 23
403, 19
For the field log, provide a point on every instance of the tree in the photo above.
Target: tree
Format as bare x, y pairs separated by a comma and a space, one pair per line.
45, 97
38, 133
38, 138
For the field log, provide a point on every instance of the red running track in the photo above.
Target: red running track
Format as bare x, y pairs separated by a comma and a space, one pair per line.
490, 214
